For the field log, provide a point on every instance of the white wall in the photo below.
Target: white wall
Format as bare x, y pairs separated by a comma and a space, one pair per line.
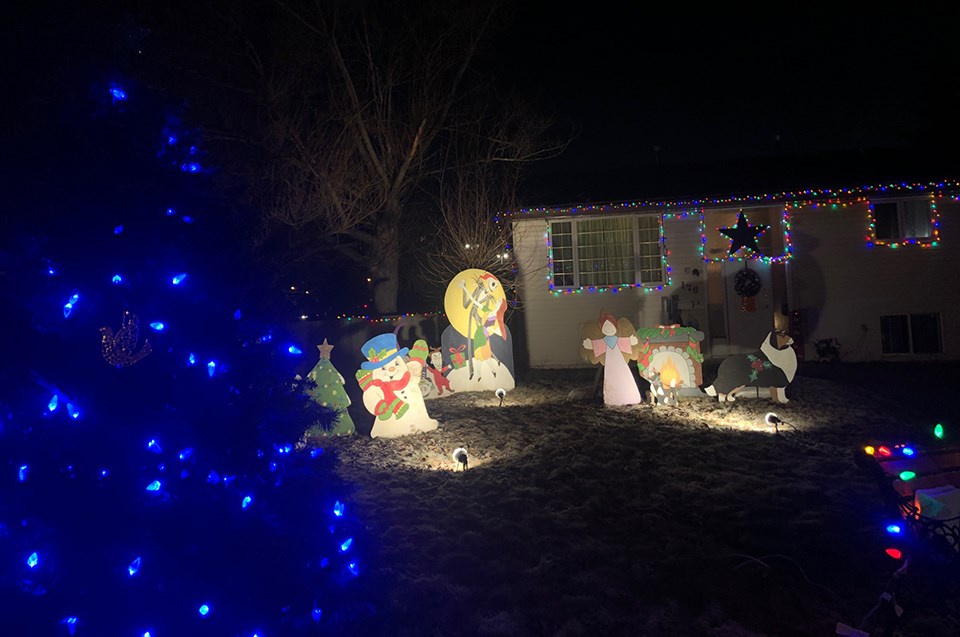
554, 322
843, 287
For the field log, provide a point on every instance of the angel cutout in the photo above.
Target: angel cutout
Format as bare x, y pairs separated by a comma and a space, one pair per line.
613, 343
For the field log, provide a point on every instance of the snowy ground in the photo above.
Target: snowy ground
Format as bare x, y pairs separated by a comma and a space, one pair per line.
574, 518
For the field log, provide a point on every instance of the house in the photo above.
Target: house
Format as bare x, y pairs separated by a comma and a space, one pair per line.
873, 265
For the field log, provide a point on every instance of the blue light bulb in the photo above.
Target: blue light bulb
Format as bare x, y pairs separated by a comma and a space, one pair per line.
117, 279
154, 446
212, 477
247, 501
204, 610
134, 567
338, 508
171, 212
211, 368
186, 453
191, 359
73, 411
237, 315
118, 229
68, 306
346, 544
154, 486
296, 351
894, 529
158, 326
317, 613
118, 94
22, 473
908, 451
178, 279
354, 568
54, 401
316, 452
33, 560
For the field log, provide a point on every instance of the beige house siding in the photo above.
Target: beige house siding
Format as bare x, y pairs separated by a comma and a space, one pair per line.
554, 321
842, 287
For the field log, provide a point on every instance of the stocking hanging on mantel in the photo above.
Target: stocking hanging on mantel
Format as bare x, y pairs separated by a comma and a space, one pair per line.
747, 284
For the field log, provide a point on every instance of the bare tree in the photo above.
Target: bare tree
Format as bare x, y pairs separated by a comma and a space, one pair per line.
479, 179
346, 156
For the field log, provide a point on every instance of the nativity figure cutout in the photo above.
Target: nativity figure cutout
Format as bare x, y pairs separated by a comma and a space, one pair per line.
613, 343
391, 387
772, 367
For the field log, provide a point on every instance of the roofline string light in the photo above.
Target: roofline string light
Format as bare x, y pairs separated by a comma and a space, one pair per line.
810, 196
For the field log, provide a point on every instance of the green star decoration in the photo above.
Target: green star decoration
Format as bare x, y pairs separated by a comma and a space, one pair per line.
743, 235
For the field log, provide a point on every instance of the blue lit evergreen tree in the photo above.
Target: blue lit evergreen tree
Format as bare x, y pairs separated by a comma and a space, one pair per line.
148, 478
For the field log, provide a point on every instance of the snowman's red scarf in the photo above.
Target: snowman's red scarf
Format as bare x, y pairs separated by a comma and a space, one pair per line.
390, 404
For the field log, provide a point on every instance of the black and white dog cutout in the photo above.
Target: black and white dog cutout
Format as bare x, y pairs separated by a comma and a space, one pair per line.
773, 366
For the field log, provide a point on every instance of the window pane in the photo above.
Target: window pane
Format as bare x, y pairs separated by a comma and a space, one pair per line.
648, 249
885, 220
894, 334
916, 219
605, 254
925, 333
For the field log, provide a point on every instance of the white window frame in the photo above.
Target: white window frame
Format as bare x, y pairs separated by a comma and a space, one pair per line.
911, 350
637, 256
902, 236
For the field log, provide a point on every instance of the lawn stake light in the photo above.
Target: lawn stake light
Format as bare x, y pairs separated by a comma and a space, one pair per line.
772, 419
501, 392
460, 458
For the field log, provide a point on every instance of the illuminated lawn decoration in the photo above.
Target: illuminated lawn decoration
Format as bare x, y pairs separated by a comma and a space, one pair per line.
391, 389
773, 367
329, 391
436, 381
613, 343
669, 359
477, 344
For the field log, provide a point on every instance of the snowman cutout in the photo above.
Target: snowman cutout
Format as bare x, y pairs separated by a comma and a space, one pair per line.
391, 387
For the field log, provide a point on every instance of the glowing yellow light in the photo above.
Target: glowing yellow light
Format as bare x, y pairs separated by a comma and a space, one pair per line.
869, 450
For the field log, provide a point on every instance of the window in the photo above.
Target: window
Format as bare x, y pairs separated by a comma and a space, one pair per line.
910, 334
902, 219
606, 251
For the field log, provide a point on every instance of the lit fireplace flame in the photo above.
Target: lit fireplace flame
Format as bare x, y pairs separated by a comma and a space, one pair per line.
669, 374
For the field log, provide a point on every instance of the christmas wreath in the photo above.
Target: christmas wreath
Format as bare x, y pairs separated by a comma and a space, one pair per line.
747, 283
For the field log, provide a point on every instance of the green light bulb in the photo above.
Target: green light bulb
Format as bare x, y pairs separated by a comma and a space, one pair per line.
907, 475
938, 431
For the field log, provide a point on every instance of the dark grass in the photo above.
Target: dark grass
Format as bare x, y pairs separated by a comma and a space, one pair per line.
578, 519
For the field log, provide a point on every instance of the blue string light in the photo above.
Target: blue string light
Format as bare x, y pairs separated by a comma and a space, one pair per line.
33, 560
117, 279
339, 508
68, 306
22, 473
118, 94
134, 567
178, 279
204, 610
72, 411
296, 351
154, 446
247, 501
346, 544
211, 368
186, 453
118, 229
54, 401
157, 326
154, 486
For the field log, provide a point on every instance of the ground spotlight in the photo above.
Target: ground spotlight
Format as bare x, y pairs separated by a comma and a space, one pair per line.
459, 456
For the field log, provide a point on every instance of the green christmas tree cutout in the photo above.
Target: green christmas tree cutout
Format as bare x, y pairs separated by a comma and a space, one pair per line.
330, 392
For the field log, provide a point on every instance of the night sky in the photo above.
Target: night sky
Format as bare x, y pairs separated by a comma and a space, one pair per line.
719, 83
702, 84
